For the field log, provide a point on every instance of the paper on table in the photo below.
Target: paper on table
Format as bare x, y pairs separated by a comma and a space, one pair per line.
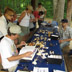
27, 49
55, 35
55, 56
58, 71
40, 69
23, 71
19, 71
44, 24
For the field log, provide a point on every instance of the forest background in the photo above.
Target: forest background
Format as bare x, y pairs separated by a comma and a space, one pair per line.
52, 13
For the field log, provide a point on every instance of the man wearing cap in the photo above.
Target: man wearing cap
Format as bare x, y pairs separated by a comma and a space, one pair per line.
65, 34
9, 54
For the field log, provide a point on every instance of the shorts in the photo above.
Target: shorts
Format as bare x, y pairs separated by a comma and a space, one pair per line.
25, 30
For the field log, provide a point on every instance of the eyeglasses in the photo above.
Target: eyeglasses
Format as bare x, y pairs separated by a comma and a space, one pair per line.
11, 15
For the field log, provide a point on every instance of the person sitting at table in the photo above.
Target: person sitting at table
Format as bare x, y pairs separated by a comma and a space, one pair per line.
8, 51
24, 21
16, 41
65, 34
4, 20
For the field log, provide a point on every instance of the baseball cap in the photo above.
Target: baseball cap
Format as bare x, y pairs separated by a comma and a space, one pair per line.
1, 35
64, 21
15, 29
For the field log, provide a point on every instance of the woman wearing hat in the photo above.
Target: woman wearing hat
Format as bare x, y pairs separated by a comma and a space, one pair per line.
24, 21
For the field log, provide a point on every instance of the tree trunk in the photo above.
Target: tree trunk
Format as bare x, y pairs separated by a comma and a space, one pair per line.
59, 10
34, 3
0, 12
69, 10
54, 8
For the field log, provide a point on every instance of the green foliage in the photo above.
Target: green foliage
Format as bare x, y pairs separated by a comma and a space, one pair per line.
17, 5
20, 5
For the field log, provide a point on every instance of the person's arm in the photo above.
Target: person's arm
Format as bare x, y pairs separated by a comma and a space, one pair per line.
61, 41
13, 58
21, 17
0, 59
45, 13
40, 19
22, 43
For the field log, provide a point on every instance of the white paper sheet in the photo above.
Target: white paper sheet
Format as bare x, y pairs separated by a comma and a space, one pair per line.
58, 71
55, 56
27, 49
40, 69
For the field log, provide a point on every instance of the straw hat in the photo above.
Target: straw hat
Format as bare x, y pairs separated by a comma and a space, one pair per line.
30, 7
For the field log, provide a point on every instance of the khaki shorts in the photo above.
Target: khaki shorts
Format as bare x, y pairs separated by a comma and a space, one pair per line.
25, 30
12, 69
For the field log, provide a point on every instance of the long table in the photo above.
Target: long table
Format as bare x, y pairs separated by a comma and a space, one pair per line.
52, 45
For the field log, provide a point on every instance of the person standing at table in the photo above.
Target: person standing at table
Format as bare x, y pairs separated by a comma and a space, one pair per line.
24, 21
41, 8
8, 51
41, 18
65, 34
4, 19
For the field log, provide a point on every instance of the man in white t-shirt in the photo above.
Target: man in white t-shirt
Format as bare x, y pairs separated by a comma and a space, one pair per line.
9, 54
1, 37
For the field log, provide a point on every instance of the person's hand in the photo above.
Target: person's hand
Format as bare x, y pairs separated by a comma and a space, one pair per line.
36, 19
22, 43
61, 41
28, 54
31, 20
